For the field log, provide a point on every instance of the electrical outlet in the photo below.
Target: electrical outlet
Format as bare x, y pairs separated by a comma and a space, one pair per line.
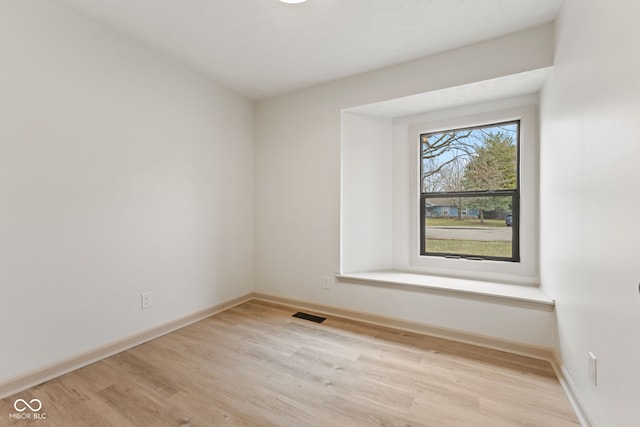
593, 368
326, 282
146, 299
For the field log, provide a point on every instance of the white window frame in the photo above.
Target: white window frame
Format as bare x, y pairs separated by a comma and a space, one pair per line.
525, 271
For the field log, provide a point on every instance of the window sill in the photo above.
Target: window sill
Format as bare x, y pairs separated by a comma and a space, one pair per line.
498, 291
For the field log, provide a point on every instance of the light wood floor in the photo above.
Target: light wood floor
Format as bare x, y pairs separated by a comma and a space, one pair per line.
255, 365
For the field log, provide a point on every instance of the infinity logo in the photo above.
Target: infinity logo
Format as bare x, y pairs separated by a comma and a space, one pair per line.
26, 405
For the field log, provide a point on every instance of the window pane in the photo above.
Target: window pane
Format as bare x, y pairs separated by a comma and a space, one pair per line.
472, 226
481, 158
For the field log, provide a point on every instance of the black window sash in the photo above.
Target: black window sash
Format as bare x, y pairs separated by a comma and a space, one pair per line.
515, 215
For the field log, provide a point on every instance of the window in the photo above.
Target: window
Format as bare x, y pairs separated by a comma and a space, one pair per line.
471, 175
518, 266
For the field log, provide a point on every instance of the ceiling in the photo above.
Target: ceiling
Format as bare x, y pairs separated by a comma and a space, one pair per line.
263, 48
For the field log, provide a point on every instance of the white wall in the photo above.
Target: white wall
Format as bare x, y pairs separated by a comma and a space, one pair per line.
367, 190
589, 161
298, 148
120, 172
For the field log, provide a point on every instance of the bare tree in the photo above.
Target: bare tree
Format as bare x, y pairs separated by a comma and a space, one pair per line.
441, 156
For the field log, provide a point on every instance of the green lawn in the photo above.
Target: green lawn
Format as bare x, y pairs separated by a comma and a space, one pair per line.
470, 247
464, 222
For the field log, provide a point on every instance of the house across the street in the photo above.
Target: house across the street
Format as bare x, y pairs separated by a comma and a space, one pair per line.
439, 208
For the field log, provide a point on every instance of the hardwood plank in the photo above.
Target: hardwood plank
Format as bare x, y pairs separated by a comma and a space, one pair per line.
256, 365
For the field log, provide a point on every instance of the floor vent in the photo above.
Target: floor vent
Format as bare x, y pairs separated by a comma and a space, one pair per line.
311, 317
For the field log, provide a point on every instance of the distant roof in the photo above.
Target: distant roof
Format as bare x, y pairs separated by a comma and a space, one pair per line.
440, 202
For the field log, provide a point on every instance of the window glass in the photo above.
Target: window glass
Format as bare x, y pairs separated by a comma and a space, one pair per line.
469, 192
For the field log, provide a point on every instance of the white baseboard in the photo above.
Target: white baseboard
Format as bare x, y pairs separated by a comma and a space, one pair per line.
571, 391
528, 350
37, 376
